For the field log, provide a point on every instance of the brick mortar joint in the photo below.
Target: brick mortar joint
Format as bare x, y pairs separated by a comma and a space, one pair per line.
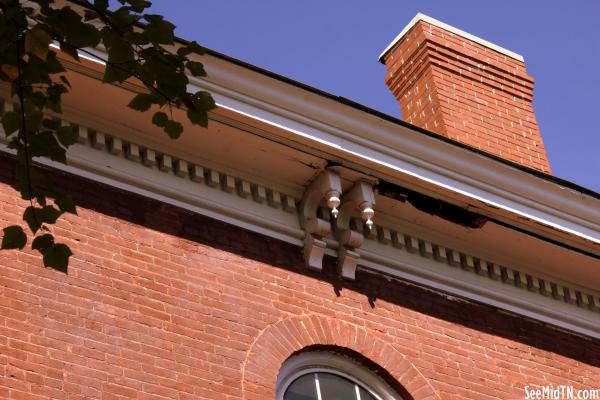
428, 44
422, 61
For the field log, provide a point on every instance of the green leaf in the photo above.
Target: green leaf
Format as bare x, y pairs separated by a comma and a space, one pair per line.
90, 15
195, 68
33, 119
38, 98
160, 119
115, 74
171, 83
123, 19
14, 238
66, 135
101, 4
119, 51
53, 65
43, 242
35, 70
83, 35
78, 33
70, 50
139, 5
158, 30
139, 38
198, 117
191, 47
57, 257
53, 100
44, 144
65, 203
136, 51
204, 100
11, 71
37, 41
173, 129
198, 106
141, 102
51, 123
11, 122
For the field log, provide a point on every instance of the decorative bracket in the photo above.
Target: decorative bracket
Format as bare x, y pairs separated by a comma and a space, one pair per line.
326, 188
359, 199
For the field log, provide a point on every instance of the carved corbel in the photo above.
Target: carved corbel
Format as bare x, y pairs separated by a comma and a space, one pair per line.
325, 188
360, 199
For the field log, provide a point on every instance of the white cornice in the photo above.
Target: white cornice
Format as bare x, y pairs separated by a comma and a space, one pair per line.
449, 28
397, 153
387, 250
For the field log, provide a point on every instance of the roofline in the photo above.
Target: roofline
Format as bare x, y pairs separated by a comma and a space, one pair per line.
387, 117
449, 28
400, 154
361, 107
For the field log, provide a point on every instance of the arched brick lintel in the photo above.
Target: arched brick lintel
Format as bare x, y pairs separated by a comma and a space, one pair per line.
288, 336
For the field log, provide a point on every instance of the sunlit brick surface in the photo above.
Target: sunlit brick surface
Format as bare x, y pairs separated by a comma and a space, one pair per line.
164, 304
468, 92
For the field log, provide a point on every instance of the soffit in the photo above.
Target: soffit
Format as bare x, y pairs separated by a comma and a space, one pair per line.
494, 242
228, 148
318, 125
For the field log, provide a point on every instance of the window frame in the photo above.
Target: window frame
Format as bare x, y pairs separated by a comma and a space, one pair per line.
332, 363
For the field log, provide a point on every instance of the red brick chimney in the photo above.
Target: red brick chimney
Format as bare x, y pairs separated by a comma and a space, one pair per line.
465, 88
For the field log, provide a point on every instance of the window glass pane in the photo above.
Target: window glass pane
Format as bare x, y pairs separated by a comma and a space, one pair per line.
302, 388
364, 395
334, 387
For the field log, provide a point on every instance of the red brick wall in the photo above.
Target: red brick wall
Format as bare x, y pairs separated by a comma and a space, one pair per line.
467, 92
163, 304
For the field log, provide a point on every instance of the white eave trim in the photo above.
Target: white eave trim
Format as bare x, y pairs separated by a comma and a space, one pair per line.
248, 209
391, 151
449, 28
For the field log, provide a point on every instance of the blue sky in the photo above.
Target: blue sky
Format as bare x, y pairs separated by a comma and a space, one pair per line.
334, 44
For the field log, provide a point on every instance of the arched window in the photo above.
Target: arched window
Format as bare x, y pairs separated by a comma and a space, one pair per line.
323, 384
328, 376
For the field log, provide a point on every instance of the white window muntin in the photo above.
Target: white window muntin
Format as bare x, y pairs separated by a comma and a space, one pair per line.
329, 362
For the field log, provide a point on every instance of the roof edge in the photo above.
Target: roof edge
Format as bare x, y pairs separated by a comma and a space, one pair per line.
387, 117
398, 121
449, 28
